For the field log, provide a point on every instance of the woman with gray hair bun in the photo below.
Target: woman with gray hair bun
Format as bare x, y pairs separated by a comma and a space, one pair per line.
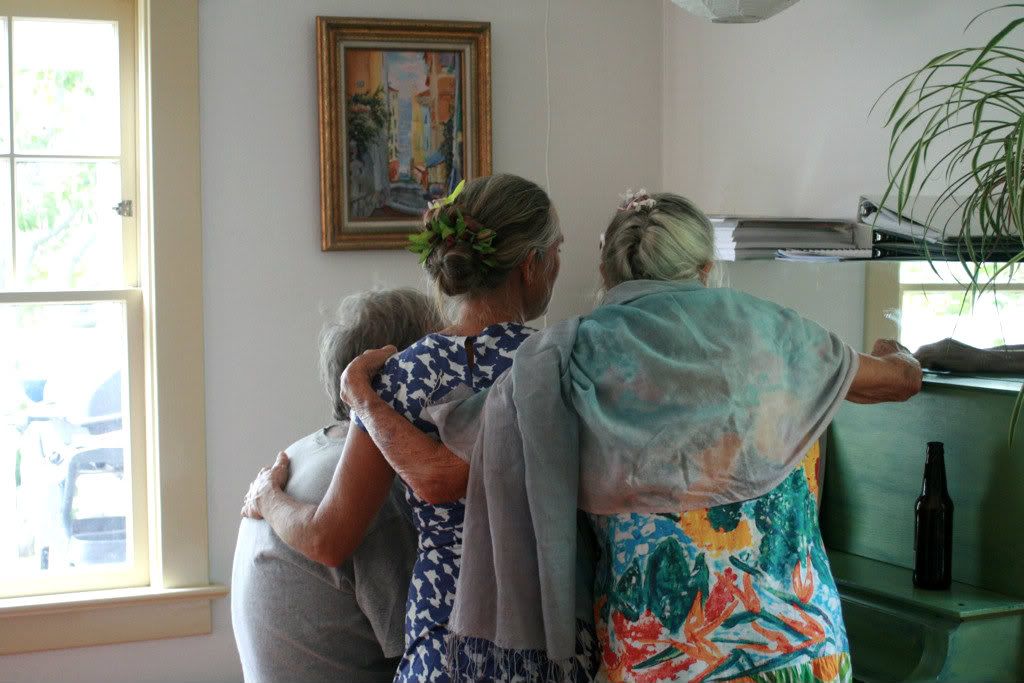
678, 416
294, 618
492, 251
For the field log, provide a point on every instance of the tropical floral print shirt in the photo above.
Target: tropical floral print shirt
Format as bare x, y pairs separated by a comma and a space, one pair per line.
735, 592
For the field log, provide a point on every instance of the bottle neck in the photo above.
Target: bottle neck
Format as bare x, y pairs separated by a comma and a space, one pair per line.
934, 475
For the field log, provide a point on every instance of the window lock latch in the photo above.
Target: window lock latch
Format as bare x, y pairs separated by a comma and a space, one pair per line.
123, 208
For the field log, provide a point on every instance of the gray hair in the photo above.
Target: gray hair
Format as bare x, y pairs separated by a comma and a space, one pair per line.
370, 320
669, 240
521, 214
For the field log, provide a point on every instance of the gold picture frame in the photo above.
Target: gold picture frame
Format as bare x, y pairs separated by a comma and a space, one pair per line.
405, 113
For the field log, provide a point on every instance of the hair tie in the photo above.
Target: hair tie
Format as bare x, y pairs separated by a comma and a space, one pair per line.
641, 200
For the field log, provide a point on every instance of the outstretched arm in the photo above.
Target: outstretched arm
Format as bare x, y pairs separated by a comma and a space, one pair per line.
331, 531
890, 373
435, 473
950, 354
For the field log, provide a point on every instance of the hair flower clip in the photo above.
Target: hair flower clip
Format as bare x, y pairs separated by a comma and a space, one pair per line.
641, 200
437, 230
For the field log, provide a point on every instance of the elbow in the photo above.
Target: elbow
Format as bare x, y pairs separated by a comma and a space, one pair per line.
439, 490
436, 493
443, 481
327, 551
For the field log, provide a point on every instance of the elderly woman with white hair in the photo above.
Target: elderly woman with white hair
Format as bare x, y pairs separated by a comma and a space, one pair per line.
296, 619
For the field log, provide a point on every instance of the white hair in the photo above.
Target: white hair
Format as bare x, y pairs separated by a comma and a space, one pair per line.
668, 239
370, 320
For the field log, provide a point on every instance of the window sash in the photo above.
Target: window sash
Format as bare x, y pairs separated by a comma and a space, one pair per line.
123, 12
135, 412
137, 574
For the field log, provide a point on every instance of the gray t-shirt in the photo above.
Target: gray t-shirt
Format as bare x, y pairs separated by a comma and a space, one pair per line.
297, 620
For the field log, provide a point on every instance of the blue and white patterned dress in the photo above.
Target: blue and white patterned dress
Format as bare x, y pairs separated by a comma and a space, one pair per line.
421, 375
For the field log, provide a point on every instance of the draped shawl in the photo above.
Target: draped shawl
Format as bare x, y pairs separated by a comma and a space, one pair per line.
668, 397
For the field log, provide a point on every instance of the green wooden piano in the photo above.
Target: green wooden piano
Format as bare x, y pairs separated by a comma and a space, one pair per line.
873, 470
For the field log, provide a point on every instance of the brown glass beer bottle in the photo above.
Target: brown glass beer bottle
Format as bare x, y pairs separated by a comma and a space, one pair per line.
933, 525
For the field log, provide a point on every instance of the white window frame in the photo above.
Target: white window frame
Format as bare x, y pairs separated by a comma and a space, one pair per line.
129, 295
175, 601
884, 292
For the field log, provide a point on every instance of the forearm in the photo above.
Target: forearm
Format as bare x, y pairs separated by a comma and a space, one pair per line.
297, 524
893, 377
955, 356
435, 473
998, 359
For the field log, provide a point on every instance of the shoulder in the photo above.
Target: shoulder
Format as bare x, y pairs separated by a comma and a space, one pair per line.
412, 362
504, 339
558, 337
754, 309
310, 442
421, 353
313, 461
515, 334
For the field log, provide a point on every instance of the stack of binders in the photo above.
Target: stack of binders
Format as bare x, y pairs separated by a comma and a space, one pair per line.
901, 237
791, 239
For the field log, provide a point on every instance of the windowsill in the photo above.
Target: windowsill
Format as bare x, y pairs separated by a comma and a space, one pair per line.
1010, 384
103, 617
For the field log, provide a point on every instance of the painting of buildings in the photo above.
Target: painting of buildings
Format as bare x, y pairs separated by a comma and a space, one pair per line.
405, 130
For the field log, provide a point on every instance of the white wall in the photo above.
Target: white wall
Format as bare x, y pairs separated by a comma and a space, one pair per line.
772, 119
265, 276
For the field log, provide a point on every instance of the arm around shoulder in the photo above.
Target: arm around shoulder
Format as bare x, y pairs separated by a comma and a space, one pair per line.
435, 474
330, 532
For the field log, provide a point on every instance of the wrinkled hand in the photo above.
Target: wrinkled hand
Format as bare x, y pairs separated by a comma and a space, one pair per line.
887, 347
268, 480
355, 385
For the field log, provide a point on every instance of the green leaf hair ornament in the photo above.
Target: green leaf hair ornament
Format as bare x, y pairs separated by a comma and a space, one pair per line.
437, 230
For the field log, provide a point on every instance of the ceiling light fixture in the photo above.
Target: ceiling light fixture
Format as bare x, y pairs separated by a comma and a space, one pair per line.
734, 11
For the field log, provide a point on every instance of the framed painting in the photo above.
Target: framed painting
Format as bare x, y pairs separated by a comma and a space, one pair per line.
405, 114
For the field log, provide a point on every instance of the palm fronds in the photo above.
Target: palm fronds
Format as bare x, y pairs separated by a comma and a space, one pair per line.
957, 133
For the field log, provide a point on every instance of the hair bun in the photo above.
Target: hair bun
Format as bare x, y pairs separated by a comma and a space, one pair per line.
507, 219
455, 267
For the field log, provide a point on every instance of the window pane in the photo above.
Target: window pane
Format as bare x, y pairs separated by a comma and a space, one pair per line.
996, 318
66, 87
952, 273
64, 461
5, 91
6, 233
68, 234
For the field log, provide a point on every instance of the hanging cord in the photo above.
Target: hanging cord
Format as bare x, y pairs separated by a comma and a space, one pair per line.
547, 94
547, 100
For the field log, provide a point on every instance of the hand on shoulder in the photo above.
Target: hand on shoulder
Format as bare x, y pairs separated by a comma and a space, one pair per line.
269, 479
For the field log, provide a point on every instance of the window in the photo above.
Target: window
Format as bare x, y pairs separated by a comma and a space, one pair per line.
102, 465
71, 379
933, 306
921, 303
